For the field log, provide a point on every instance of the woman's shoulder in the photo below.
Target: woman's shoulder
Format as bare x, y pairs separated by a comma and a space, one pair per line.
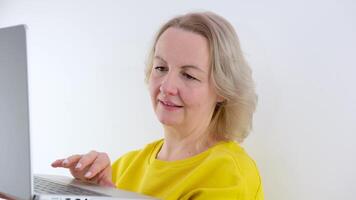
133, 159
230, 149
233, 153
146, 150
231, 159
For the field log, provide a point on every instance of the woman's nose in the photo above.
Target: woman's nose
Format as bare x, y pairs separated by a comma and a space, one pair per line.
169, 85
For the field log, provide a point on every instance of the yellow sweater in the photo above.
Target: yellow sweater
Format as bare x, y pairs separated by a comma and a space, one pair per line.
224, 171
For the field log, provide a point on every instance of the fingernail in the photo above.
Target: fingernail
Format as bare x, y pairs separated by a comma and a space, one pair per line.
87, 175
79, 165
65, 162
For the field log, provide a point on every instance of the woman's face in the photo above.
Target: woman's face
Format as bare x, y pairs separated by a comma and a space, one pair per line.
181, 90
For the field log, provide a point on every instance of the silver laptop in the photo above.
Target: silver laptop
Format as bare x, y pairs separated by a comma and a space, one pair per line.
16, 179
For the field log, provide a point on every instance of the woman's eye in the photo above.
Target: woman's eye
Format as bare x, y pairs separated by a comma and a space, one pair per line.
189, 76
160, 68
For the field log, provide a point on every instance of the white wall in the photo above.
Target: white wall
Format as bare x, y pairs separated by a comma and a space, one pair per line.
86, 62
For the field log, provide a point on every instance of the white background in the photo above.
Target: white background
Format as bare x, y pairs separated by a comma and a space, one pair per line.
86, 61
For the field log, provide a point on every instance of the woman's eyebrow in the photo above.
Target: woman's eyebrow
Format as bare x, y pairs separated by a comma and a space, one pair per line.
160, 58
184, 66
192, 67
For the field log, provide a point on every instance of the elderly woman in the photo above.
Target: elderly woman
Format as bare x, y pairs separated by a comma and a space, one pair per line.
203, 94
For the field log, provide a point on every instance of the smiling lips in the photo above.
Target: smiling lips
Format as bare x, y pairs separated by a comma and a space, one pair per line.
169, 105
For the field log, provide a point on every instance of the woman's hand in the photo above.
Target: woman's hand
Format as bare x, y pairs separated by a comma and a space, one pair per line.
93, 167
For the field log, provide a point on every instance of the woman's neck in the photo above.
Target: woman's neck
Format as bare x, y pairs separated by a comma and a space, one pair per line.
180, 144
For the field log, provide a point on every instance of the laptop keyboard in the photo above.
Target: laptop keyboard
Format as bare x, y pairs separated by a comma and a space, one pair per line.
45, 186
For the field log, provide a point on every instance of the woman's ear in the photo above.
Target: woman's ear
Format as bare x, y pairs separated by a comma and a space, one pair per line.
220, 99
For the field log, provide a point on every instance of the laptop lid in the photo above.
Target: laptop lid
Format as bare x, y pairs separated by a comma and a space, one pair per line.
15, 165
15, 156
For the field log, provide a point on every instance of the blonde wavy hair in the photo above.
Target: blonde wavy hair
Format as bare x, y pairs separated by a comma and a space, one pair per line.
230, 73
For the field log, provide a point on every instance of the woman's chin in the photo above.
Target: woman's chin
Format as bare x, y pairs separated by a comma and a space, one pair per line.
168, 122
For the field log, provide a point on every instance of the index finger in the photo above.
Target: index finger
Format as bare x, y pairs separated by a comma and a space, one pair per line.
57, 163
68, 162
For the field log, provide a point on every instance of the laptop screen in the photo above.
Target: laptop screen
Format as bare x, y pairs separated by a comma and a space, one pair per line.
15, 166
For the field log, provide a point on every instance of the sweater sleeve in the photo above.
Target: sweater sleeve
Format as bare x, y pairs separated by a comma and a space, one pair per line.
121, 164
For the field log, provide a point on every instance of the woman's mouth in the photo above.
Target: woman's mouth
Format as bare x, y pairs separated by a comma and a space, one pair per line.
169, 105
